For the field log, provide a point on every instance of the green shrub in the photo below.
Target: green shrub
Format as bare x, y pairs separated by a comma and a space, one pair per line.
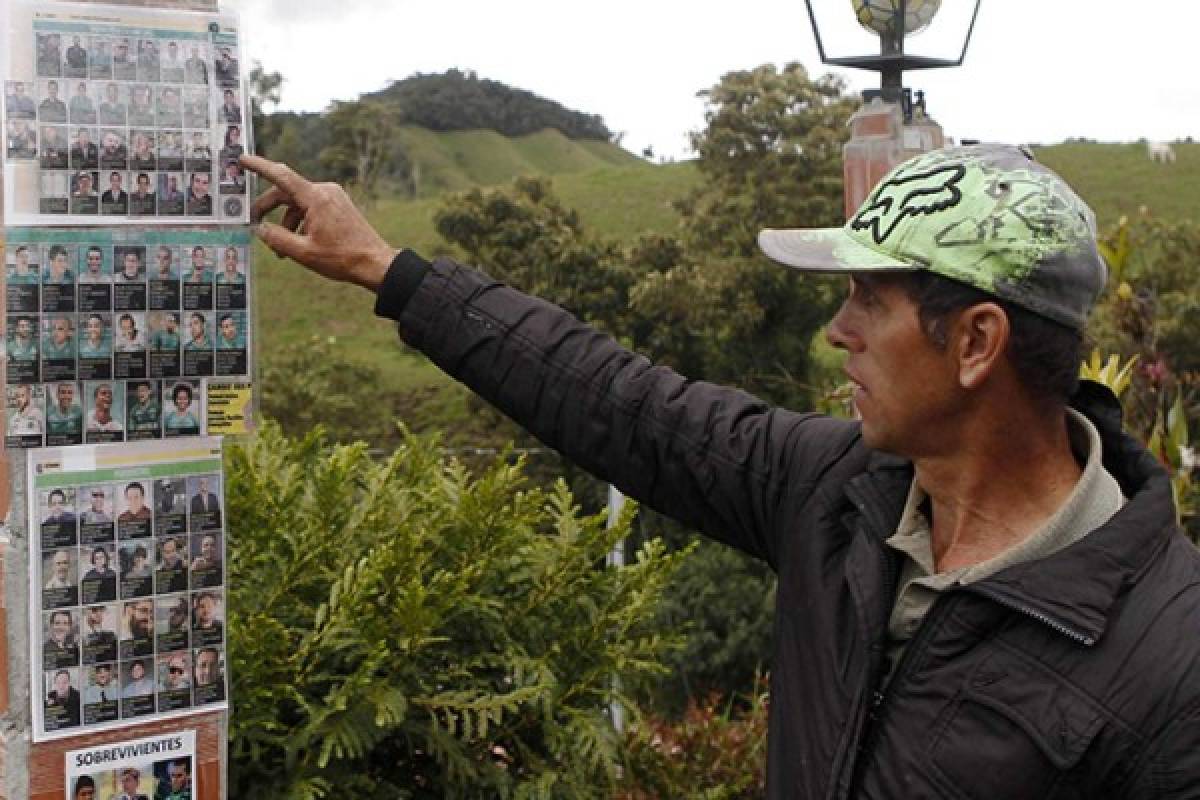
400, 628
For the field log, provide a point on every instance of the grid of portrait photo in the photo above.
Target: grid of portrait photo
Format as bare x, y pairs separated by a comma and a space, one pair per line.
110, 342
131, 601
131, 122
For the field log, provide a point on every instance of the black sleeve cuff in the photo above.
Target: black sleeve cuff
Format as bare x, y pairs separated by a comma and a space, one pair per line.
403, 278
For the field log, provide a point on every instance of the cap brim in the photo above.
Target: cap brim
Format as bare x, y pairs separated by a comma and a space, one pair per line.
827, 250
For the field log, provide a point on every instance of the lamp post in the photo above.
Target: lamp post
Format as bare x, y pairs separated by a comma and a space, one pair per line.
890, 127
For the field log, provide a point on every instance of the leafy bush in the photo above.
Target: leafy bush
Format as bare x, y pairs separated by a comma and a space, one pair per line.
401, 629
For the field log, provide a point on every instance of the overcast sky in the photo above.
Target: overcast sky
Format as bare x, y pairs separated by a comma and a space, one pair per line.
1036, 71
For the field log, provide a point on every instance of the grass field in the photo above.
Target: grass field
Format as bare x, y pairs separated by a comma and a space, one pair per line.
618, 196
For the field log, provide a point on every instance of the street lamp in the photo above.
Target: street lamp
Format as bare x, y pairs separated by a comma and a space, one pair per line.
890, 127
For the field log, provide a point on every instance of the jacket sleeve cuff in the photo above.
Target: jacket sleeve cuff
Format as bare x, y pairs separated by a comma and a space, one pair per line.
403, 278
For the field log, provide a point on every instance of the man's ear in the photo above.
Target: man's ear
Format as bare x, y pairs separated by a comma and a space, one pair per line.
978, 340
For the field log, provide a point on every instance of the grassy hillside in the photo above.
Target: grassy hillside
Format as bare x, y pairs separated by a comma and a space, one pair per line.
617, 195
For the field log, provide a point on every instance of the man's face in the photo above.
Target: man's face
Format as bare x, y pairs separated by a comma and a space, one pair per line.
62, 331
95, 261
52, 90
58, 264
143, 393
56, 507
62, 563
24, 329
182, 401
128, 782
205, 610
208, 548
95, 329
198, 260
133, 495
83, 137
104, 397
60, 627
103, 676
100, 559
114, 182
95, 617
176, 670
170, 552
231, 260
143, 617
97, 501
143, 184
85, 793
22, 260
228, 329
171, 323
110, 143
131, 264
200, 184
905, 388
110, 92
65, 393
127, 327
206, 667
18, 89
203, 486
23, 397
179, 777
85, 184
164, 260
62, 684
197, 327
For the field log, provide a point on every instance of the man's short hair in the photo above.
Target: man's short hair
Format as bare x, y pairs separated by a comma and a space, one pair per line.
135, 485
62, 496
57, 250
1045, 354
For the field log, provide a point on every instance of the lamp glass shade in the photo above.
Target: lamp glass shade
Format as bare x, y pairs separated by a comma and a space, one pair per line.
879, 16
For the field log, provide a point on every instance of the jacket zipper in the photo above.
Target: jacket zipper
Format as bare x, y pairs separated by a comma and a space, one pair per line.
1033, 613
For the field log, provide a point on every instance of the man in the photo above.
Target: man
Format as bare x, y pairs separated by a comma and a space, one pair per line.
209, 559
124, 65
230, 274
204, 617
204, 501
131, 266
49, 54
139, 618
207, 671
230, 337
17, 103
147, 61
22, 140
196, 67
199, 272
85, 788
135, 499
95, 343
60, 344
23, 272
142, 199
179, 774
200, 150
84, 153
981, 583
60, 566
166, 339
97, 513
52, 109
198, 328
23, 346
226, 68
232, 179
115, 200
145, 413
100, 643
112, 110
24, 418
94, 266
83, 199
231, 111
100, 418
113, 153
170, 111
177, 677
61, 647
102, 688
172, 64
131, 777
54, 149
63, 699
143, 157
77, 59
65, 416
138, 568
199, 201
164, 260
58, 513
58, 271
170, 199
172, 570
81, 107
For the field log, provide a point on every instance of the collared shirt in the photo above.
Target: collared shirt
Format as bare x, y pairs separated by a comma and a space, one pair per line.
1095, 498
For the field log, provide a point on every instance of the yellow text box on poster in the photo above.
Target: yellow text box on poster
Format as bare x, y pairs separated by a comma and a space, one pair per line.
229, 408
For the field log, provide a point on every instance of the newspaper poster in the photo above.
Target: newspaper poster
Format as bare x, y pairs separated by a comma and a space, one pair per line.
127, 566
119, 115
112, 335
162, 767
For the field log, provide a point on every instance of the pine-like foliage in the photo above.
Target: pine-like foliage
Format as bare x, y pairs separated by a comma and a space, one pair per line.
402, 629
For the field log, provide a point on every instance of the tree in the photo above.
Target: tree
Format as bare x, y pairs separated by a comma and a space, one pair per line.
362, 147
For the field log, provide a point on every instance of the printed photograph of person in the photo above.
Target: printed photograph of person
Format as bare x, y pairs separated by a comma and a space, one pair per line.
230, 330
23, 268
174, 681
177, 775
85, 787
77, 58
96, 343
59, 530
170, 151
61, 709
164, 268
183, 418
84, 199
199, 154
130, 337
54, 148
231, 108
137, 574
172, 572
131, 782
49, 54
26, 422
170, 195
204, 493
84, 153
198, 333
60, 640
226, 67
58, 266
95, 270
198, 279
114, 155
171, 628
195, 108
171, 68
143, 158
207, 568
21, 140
137, 628
208, 623
52, 108
115, 199
129, 289
64, 415
144, 418
104, 414
22, 342
137, 699
232, 148
134, 515
102, 695
56, 191
170, 108
58, 348
60, 587
100, 58
141, 111
233, 180
208, 675
231, 266
99, 634
199, 201
124, 61
195, 68
18, 100
99, 511
99, 583
142, 201
147, 60
112, 108
164, 331
170, 499
80, 108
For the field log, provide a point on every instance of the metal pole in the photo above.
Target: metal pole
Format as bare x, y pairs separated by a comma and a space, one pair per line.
616, 558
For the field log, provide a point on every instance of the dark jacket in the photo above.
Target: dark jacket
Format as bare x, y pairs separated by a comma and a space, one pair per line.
1075, 676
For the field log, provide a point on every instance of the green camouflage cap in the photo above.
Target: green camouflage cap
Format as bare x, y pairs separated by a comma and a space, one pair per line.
987, 215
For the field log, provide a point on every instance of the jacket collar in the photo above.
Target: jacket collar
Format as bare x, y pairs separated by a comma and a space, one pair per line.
1074, 590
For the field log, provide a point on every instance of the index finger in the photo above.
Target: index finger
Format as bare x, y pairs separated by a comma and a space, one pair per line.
279, 174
